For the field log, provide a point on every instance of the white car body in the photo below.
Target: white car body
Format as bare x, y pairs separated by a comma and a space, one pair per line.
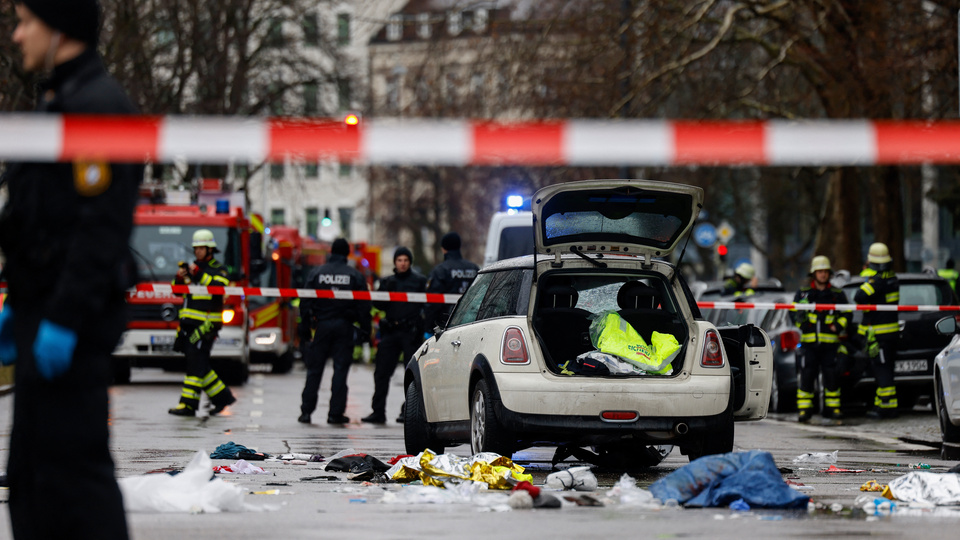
946, 380
493, 377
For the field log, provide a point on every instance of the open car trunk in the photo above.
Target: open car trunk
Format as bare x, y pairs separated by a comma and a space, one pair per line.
568, 302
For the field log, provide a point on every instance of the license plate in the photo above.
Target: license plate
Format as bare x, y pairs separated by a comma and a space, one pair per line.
909, 366
162, 340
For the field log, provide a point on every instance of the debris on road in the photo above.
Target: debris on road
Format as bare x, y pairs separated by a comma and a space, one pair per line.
496, 471
191, 491
927, 487
833, 469
232, 450
718, 480
240, 467
626, 493
817, 457
575, 478
872, 485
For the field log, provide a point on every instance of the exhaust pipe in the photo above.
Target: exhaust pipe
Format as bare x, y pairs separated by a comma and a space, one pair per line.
681, 428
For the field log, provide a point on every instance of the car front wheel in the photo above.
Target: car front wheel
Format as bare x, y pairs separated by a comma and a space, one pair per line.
948, 432
486, 433
417, 435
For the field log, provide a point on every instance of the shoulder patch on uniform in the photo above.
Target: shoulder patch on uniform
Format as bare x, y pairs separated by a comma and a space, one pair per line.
91, 178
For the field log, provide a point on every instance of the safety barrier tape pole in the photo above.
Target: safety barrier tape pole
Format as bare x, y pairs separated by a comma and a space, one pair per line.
148, 290
460, 142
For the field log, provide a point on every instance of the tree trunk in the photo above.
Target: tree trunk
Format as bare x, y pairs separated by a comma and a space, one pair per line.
888, 226
838, 236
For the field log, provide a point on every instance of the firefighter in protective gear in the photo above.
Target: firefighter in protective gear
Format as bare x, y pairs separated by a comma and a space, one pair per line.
821, 335
950, 274
201, 318
881, 329
739, 284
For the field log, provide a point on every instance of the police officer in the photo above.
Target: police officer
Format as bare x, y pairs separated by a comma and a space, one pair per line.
820, 338
401, 329
65, 232
739, 284
201, 319
881, 329
452, 276
331, 322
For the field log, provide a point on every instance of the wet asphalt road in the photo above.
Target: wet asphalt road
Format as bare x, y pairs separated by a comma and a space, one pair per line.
145, 439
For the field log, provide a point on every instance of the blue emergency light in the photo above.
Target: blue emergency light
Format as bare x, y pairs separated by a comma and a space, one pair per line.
223, 206
514, 201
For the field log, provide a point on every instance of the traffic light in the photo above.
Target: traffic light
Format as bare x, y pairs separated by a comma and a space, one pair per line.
326, 222
722, 252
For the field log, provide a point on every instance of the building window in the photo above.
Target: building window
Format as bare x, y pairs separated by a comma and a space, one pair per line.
274, 38
241, 170
310, 107
466, 20
393, 92
480, 18
313, 221
276, 171
454, 23
311, 30
476, 84
395, 28
346, 169
346, 218
343, 29
277, 216
344, 95
423, 25
311, 170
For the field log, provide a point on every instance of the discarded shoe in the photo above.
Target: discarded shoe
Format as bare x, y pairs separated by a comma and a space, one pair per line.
375, 419
804, 416
576, 478
182, 410
304, 419
341, 419
219, 407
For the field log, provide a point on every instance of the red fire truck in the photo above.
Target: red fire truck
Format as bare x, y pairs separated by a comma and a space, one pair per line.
162, 239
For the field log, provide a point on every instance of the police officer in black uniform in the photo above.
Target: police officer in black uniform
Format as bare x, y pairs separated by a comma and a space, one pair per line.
331, 322
452, 276
401, 329
65, 232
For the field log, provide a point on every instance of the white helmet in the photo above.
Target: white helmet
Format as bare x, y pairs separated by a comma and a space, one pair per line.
745, 270
204, 238
820, 262
878, 254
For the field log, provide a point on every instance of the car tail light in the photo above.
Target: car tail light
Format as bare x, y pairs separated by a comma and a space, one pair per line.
514, 350
789, 340
712, 350
619, 416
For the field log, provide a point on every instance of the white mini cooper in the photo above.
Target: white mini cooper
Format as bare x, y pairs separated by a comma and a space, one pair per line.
517, 364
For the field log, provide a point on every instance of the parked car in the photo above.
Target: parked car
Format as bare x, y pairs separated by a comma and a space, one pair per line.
917, 348
503, 373
946, 383
784, 339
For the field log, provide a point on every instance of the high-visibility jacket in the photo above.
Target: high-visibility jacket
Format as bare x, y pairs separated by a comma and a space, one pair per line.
882, 288
616, 336
950, 275
820, 326
202, 314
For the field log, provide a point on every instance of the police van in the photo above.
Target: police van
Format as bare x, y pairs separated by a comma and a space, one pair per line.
510, 235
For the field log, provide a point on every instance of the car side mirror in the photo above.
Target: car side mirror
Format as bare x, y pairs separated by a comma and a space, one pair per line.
947, 326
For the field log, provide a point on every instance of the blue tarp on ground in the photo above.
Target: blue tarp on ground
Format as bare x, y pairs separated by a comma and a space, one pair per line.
721, 479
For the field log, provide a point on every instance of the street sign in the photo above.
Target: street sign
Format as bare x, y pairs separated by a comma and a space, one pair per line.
725, 232
705, 235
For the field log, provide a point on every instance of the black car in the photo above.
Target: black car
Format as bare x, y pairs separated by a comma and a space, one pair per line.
784, 338
918, 346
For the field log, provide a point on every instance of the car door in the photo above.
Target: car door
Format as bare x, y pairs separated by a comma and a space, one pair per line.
447, 362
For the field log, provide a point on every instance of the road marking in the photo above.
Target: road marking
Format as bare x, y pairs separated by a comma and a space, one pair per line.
257, 401
886, 441
256, 414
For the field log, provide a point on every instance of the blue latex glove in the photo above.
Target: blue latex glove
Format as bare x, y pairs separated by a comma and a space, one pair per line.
53, 349
8, 347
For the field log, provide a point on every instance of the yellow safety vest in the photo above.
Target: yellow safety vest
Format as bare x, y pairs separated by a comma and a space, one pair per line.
616, 336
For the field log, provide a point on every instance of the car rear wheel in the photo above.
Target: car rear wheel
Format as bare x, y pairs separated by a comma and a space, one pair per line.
948, 432
486, 433
633, 456
417, 435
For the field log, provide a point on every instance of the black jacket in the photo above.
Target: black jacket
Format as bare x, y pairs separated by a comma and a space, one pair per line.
336, 275
200, 308
881, 288
402, 315
452, 276
820, 326
66, 227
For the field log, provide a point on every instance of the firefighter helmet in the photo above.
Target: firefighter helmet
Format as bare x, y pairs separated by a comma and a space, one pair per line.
820, 262
878, 254
746, 271
204, 238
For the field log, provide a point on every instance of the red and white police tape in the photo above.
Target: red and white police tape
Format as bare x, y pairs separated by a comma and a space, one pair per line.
147, 289
218, 139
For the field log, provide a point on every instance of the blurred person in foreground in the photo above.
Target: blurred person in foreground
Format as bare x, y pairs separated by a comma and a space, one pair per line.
65, 232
